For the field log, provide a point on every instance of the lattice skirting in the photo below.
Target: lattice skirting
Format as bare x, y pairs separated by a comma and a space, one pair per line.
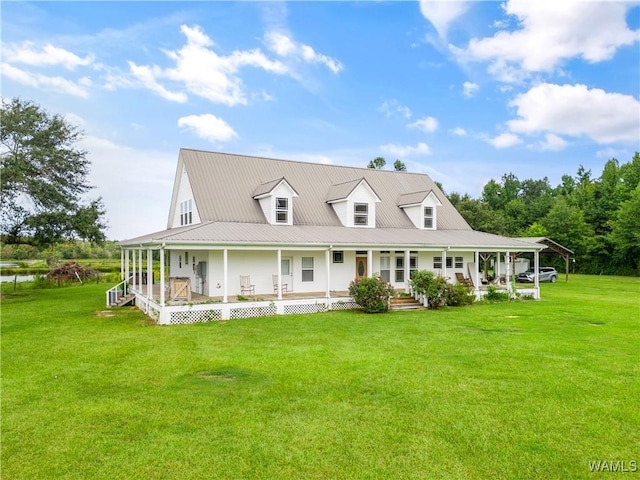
195, 316
248, 312
341, 305
305, 308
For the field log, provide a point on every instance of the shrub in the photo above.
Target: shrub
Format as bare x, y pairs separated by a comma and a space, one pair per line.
432, 286
493, 295
371, 293
458, 294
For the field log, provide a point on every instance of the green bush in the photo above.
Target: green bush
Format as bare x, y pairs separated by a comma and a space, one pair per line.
432, 286
371, 293
457, 294
494, 295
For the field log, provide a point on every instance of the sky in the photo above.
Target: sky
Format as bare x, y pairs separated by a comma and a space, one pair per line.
462, 91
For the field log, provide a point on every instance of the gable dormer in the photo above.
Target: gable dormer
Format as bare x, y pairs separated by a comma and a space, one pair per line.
354, 203
276, 201
421, 208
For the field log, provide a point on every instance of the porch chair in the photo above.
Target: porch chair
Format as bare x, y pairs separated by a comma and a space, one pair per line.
245, 285
463, 280
285, 286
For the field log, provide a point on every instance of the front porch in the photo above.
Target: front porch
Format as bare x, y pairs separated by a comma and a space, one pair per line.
202, 308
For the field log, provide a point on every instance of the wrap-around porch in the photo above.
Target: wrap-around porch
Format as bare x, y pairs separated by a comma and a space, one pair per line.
286, 280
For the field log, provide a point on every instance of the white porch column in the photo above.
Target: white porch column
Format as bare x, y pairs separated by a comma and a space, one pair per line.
476, 280
140, 270
327, 260
507, 260
149, 273
496, 270
122, 250
407, 260
134, 285
279, 270
126, 265
536, 268
162, 276
225, 274
444, 264
370, 263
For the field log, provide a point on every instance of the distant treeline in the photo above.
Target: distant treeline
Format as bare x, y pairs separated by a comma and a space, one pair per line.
596, 217
61, 251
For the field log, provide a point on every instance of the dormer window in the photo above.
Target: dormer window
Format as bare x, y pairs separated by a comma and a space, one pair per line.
361, 214
186, 212
354, 203
428, 217
282, 210
421, 208
276, 201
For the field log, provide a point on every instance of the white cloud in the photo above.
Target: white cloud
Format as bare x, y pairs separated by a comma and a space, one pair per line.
504, 140
469, 89
576, 110
609, 153
550, 33
37, 80
551, 143
442, 14
426, 124
284, 46
391, 107
48, 55
401, 151
201, 71
150, 175
147, 77
209, 127
458, 132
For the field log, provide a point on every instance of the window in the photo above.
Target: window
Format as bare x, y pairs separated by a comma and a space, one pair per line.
338, 256
282, 210
449, 262
361, 214
413, 263
307, 269
437, 263
428, 217
186, 215
385, 268
459, 262
399, 269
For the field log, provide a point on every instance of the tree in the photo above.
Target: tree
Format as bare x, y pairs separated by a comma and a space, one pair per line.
43, 177
377, 163
625, 233
399, 166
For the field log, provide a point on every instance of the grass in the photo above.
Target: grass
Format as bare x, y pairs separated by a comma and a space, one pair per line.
513, 390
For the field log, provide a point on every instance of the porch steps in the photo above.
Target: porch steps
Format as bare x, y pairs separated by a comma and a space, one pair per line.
405, 303
126, 300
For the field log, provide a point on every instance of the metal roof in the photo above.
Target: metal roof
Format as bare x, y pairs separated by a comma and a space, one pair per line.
224, 186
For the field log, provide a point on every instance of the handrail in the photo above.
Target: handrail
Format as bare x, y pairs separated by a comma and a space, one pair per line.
112, 293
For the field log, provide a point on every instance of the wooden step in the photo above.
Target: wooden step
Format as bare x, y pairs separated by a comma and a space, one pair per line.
126, 300
405, 303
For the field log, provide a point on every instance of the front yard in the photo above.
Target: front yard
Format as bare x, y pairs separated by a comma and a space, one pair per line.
529, 389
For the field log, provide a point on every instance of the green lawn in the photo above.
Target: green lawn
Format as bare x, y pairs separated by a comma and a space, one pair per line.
517, 390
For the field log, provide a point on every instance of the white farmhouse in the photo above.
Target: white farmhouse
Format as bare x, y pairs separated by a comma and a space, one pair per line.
253, 236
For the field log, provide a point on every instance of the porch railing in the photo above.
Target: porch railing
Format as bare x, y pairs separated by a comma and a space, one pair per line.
115, 293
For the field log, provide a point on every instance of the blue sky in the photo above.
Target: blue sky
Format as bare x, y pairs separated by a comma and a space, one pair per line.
462, 91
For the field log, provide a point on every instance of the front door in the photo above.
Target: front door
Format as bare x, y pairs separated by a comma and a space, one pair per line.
361, 267
287, 273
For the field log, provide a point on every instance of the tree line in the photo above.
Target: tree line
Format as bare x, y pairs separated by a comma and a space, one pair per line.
598, 218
